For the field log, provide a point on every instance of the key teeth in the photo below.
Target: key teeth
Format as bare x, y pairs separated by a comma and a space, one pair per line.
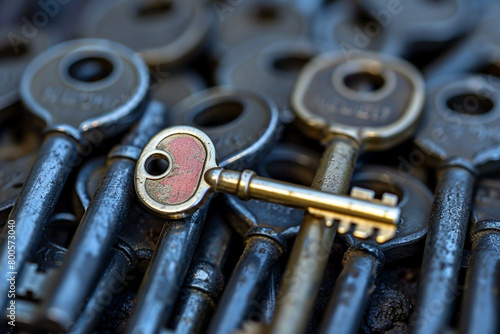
363, 231
344, 226
362, 193
390, 199
385, 234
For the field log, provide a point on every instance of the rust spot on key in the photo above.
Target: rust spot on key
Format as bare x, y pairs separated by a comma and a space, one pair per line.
188, 157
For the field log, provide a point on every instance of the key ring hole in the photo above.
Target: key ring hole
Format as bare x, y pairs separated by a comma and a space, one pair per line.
470, 104
157, 164
364, 79
364, 82
91, 69
219, 114
266, 14
154, 8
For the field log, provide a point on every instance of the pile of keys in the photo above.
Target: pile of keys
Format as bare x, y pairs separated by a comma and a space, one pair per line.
279, 166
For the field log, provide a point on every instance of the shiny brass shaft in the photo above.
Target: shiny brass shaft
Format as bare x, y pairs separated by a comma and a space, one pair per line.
247, 185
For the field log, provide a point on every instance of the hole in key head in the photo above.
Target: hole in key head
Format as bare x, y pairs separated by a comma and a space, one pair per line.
291, 64
219, 114
266, 13
156, 164
470, 104
364, 82
90, 69
154, 8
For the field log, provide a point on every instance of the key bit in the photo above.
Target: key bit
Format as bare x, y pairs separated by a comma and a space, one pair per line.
177, 171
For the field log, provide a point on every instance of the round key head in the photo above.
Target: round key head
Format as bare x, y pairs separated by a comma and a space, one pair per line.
86, 85
461, 119
339, 26
269, 65
169, 176
412, 22
15, 54
286, 162
246, 20
375, 99
163, 32
415, 202
241, 124
487, 201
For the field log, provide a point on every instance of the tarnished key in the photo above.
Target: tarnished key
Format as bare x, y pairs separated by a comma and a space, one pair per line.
365, 259
163, 32
101, 223
177, 172
249, 19
459, 135
205, 279
132, 251
426, 24
269, 65
478, 52
85, 91
267, 229
367, 103
481, 300
243, 126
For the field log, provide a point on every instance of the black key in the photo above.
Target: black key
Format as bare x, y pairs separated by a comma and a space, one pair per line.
481, 300
166, 33
101, 223
459, 135
365, 259
85, 91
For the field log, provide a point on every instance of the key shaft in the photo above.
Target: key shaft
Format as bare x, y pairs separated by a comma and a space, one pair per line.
247, 185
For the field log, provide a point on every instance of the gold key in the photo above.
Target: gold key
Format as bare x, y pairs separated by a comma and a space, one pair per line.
177, 171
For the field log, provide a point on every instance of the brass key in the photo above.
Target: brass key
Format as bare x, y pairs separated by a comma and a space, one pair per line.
177, 171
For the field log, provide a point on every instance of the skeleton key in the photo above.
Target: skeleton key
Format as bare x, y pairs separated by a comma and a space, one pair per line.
427, 24
251, 19
369, 102
269, 65
101, 223
478, 52
243, 126
177, 172
183, 26
266, 229
480, 304
133, 249
85, 91
460, 135
205, 280
364, 259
